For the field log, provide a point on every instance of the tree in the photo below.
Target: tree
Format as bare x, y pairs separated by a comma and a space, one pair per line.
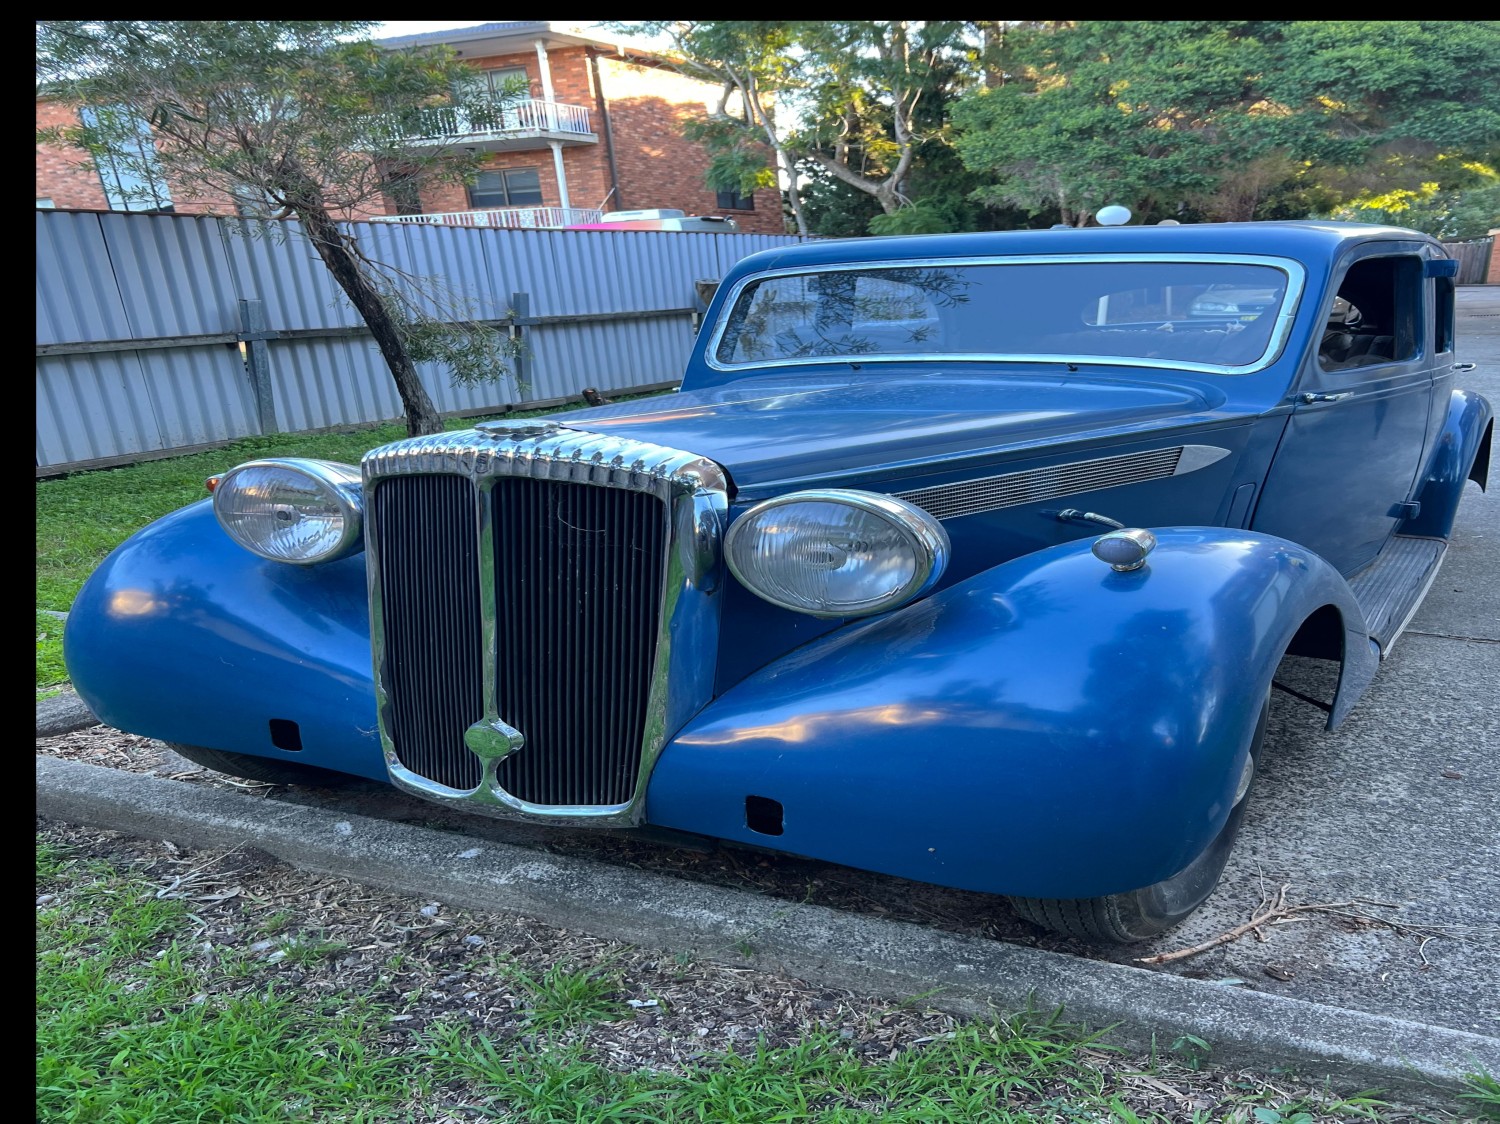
882, 90
1108, 111
853, 104
1228, 119
307, 117
751, 62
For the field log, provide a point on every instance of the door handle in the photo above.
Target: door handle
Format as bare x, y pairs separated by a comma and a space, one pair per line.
1310, 397
1460, 368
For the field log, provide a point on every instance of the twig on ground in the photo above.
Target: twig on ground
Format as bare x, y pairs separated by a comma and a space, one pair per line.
1273, 910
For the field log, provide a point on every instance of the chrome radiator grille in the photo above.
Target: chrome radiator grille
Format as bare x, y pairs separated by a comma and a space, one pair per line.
578, 582
434, 668
541, 612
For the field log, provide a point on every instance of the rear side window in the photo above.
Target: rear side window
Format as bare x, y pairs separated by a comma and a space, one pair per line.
1377, 316
1443, 329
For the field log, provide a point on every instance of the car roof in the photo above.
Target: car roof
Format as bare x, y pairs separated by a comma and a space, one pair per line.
1307, 242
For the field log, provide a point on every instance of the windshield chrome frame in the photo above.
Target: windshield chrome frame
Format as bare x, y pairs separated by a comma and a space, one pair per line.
1295, 273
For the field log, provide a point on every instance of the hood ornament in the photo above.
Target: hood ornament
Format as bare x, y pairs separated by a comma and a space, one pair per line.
522, 429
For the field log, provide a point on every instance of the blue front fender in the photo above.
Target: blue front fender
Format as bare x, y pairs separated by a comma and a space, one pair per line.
184, 636
1048, 728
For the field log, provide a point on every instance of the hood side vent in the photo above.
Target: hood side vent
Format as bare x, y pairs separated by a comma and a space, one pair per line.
1034, 485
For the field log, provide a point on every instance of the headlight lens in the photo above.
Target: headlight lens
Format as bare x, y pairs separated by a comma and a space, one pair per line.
292, 510
837, 552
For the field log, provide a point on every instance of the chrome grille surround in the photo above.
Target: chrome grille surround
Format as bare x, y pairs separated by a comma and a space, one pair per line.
694, 491
1052, 482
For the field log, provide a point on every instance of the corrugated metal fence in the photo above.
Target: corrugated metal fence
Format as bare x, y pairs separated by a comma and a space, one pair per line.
144, 322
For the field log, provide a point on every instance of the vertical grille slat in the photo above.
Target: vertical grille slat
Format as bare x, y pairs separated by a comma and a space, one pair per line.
433, 663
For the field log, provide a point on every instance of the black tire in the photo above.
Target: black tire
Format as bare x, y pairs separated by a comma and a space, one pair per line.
265, 769
1138, 915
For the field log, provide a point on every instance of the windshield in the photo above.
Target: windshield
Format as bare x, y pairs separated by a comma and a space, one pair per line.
1212, 316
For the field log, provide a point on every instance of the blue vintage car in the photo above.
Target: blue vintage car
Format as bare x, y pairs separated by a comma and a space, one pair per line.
964, 558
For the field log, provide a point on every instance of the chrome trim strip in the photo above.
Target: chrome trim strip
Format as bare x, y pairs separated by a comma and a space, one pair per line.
1296, 280
695, 491
1195, 457
1053, 482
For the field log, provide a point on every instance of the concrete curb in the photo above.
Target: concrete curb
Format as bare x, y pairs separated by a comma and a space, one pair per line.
62, 714
1350, 1049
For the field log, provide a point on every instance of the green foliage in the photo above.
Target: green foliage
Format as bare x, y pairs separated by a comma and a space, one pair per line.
833, 208
132, 1026
1483, 1092
1140, 113
1229, 119
970, 1077
1444, 211
561, 998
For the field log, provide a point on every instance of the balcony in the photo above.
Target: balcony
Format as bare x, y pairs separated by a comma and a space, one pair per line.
510, 218
529, 123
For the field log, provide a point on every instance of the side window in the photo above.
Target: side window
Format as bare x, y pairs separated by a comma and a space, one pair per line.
1443, 328
1376, 317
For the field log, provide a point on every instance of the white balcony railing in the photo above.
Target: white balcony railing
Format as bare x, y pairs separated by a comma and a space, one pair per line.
510, 218
532, 115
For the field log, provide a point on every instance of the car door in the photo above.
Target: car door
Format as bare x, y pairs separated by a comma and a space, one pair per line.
1350, 454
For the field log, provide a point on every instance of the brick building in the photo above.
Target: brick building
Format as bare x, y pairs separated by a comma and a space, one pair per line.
601, 130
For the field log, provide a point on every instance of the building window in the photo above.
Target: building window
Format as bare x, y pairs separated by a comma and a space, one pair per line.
494, 84
45, 204
496, 81
513, 187
734, 201
253, 203
128, 168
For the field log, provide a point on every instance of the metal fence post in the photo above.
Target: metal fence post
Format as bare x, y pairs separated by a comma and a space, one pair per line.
253, 336
520, 319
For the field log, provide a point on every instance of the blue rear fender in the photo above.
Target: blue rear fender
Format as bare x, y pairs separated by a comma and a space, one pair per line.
1461, 453
185, 636
1047, 728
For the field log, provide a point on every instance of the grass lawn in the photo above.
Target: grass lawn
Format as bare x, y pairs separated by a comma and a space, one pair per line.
219, 993
81, 518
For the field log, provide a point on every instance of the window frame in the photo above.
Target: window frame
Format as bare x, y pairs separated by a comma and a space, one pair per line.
738, 202
123, 190
504, 174
1295, 271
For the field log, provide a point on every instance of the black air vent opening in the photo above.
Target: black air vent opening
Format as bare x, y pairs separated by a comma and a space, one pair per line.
286, 734
764, 816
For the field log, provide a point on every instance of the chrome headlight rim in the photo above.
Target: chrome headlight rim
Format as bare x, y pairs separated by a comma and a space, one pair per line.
926, 537
340, 483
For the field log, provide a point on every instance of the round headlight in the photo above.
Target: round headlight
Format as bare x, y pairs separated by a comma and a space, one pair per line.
836, 552
292, 510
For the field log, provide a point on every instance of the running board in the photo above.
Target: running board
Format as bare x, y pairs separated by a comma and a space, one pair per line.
1391, 588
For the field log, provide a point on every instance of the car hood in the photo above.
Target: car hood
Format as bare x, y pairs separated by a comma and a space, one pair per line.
773, 430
